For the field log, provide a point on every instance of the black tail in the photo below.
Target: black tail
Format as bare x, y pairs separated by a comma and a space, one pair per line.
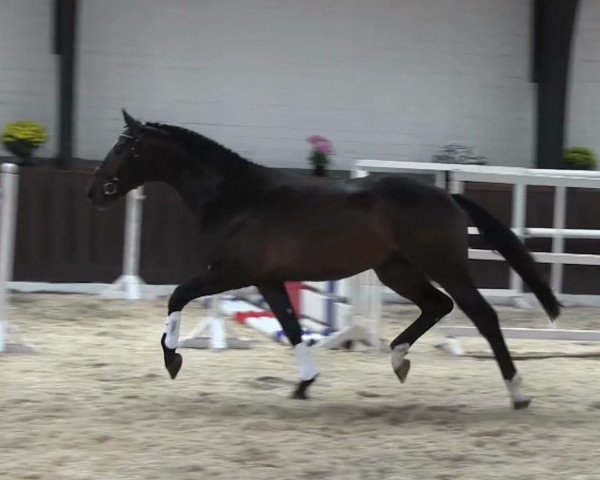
503, 240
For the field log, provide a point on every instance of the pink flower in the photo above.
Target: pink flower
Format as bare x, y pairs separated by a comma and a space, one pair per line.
321, 144
314, 139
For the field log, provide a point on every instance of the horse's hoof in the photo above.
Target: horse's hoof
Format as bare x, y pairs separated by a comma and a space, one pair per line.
174, 365
400, 364
173, 360
300, 392
402, 370
522, 403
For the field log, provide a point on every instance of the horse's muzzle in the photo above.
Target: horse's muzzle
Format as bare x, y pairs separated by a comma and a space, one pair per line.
97, 196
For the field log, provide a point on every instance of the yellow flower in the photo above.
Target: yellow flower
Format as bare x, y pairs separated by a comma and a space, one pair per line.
25, 131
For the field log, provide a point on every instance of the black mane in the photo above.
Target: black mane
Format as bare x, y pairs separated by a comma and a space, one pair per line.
204, 149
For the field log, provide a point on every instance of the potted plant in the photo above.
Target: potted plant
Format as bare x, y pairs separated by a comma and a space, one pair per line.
580, 158
456, 153
22, 138
322, 149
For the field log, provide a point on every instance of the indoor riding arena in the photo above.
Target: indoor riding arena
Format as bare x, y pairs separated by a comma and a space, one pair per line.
95, 402
268, 239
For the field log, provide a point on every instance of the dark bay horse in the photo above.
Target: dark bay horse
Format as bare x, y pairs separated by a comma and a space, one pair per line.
262, 227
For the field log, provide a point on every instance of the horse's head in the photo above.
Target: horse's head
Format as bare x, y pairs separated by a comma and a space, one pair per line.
191, 163
125, 167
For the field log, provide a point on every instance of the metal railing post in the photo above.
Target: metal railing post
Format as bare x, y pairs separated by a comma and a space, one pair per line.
519, 205
558, 240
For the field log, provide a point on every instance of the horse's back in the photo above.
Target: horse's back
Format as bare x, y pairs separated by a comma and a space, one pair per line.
324, 229
423, 219
316, 229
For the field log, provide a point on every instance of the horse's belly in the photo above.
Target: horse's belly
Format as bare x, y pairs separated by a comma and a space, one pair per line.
331, 256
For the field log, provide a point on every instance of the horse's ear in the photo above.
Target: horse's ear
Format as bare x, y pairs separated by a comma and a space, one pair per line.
133, 124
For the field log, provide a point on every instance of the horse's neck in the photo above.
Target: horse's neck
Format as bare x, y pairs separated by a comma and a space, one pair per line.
193, 193
198, 183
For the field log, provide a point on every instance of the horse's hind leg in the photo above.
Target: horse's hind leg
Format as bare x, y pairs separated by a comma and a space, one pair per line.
457, 282
412, 284
279, 301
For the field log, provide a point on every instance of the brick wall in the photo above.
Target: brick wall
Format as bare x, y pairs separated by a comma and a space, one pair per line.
583, 122
28, 70
384, 79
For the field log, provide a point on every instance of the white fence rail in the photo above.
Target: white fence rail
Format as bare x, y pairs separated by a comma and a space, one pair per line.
519, 178
366, 304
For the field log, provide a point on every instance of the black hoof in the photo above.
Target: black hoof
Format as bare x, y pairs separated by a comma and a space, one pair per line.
521, 404
174, 365
173, 360
300, 392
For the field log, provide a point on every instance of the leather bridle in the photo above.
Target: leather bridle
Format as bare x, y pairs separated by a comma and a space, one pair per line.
111, 187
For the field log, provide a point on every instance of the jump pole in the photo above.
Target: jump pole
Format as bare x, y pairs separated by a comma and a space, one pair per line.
130, 284
9, 188
213, 332
525, 333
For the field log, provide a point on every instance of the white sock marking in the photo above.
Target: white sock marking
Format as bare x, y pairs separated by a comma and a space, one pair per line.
305, 362
172, 330
514, 389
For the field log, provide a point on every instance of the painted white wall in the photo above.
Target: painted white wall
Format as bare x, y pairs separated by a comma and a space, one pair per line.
28, 70
583, 120
386, 79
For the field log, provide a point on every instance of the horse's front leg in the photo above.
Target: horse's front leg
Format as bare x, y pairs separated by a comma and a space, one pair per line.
279, 301
200, 286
